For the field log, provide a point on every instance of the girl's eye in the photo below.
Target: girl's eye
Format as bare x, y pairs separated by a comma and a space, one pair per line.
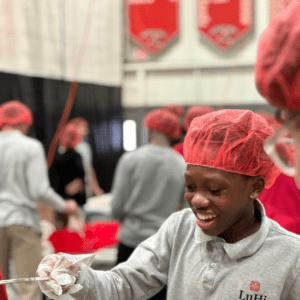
215, 192
189, 187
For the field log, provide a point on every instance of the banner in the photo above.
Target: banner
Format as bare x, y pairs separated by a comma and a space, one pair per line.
225, 22
153, 24
276, 6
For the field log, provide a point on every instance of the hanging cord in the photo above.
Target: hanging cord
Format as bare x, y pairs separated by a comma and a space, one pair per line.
73, 88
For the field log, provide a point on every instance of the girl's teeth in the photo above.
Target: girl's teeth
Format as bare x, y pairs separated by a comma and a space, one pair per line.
206, 217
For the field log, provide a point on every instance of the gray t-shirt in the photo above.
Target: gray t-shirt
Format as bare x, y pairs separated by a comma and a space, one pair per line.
195, 266
24, 181
147, 188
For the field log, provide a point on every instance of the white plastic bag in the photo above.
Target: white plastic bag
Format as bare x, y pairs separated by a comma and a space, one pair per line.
63, 269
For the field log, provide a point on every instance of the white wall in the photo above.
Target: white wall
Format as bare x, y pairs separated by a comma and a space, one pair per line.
192, 71
47, 38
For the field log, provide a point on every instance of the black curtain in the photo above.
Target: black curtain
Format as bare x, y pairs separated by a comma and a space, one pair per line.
99, 105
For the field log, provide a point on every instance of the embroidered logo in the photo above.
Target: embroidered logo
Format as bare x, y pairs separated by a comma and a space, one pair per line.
255, 286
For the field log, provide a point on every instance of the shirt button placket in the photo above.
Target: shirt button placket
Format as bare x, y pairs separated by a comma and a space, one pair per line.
213, 266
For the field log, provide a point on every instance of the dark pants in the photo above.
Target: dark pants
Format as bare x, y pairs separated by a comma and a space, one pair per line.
123, 254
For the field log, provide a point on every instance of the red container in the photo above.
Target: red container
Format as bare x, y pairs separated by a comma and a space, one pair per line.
97, 235
3, 294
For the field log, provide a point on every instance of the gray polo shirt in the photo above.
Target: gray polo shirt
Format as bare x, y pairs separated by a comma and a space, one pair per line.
263, 266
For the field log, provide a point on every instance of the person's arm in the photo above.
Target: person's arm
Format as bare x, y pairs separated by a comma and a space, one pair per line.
39, 187
96, 189
120, 187
143, 275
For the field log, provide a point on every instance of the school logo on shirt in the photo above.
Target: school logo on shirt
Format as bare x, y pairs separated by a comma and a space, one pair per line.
255, 286
245, 296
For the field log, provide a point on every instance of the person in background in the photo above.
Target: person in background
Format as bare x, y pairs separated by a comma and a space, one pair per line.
66, 172
178, 110
92, 187
224, 247
283, 191
148, 184
271, 119
23, 182
277, 77
191, 113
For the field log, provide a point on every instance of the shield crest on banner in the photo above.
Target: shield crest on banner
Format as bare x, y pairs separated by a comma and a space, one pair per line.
153, 24
225, 22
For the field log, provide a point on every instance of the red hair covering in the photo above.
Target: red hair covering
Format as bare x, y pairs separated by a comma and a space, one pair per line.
193, 112
277, 69
175, 109
231, 140
70, 137
164, 121
270, 119
15, 112
79, 121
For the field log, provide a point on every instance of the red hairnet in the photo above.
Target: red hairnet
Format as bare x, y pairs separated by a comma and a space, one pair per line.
70, 137
193, 112
79, 121
14, 113
164, 121
270, 119
175, 109
277, 69
231, 140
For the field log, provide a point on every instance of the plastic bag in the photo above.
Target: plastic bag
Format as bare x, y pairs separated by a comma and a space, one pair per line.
63, 269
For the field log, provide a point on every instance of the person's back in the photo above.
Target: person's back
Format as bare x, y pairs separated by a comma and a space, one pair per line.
154, 189
23, 182
17, 195
148, 185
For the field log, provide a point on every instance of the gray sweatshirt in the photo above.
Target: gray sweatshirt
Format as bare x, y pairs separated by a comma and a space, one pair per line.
24, 181
147, 188
263, 266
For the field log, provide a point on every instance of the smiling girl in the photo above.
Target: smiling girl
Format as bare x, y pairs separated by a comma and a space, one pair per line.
224, 247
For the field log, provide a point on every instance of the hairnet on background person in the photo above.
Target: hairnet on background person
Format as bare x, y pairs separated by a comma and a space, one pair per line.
164, 121
277, 68
175, 109
270, 119
79, 121
14, 113
70, 137
193, 112
231, 140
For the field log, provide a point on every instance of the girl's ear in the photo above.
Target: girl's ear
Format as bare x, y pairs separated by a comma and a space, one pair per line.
257, 186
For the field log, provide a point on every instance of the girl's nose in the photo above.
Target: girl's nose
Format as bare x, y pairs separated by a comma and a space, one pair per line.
199, 201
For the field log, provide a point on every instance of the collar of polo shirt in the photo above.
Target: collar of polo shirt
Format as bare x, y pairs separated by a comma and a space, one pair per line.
245, 247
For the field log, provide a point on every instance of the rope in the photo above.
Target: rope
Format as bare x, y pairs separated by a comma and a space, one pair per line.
73, 88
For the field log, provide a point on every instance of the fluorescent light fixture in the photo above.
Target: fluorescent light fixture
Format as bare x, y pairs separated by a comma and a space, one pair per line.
129, 135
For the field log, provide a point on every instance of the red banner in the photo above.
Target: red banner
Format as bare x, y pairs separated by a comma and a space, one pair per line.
153, 24
225, 22
276, 6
